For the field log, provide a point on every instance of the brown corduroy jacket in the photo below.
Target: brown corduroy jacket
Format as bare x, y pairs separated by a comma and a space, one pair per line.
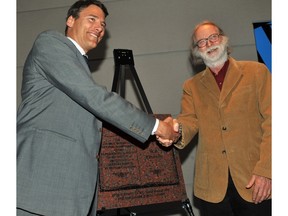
234, 128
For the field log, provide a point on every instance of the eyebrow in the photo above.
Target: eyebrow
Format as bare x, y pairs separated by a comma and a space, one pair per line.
95, 16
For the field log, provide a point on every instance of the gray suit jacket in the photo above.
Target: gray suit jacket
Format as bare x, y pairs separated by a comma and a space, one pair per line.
59, 128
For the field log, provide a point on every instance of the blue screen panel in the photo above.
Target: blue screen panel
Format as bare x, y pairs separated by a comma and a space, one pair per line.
262, 33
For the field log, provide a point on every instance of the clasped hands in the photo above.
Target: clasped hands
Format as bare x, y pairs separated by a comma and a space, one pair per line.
168, 132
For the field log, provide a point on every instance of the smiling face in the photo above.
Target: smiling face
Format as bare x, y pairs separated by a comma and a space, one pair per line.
88, 29
214, 53
203, 32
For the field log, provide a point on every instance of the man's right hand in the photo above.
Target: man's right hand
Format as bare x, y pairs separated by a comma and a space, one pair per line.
167, 132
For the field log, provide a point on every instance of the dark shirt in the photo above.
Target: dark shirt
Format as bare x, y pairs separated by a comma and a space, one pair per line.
221, 75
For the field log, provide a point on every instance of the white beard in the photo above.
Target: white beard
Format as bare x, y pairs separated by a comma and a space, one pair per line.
219, 58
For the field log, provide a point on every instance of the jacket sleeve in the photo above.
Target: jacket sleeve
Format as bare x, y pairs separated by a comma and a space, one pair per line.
263, 79
187, 117
65, 68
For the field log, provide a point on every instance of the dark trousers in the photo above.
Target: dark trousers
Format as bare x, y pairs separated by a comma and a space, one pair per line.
234, 205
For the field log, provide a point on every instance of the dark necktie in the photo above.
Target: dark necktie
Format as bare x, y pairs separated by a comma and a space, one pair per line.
86, 59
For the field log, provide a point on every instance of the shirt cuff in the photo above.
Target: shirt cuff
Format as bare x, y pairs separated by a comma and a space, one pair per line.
155, 127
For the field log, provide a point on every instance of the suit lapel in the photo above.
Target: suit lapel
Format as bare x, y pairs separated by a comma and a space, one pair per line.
77, 52
83, 61
232, 77
209, 82
231, 80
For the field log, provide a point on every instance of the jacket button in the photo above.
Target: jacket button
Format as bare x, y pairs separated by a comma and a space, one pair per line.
224, 128
224, 152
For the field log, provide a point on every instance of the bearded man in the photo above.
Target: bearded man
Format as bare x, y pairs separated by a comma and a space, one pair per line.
229, 105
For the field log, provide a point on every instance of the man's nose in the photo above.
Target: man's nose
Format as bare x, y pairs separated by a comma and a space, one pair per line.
98, 27
208, 43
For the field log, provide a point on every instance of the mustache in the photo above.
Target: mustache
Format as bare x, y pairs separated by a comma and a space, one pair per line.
213, 48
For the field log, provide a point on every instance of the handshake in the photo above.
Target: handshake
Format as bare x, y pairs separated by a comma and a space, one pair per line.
168, 132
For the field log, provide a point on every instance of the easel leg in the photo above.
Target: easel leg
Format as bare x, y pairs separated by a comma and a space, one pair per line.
130, 213
188, 207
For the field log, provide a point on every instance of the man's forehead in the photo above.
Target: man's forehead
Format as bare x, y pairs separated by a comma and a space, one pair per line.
206, 29
92, 10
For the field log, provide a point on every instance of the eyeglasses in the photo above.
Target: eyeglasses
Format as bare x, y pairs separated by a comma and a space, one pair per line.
212, 38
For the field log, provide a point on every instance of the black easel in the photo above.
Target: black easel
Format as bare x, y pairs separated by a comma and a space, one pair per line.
123, 58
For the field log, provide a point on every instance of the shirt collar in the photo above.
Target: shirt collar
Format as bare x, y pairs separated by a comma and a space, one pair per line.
223, 70
77, 46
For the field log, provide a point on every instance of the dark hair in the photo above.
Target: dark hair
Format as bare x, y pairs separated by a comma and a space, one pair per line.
78, 6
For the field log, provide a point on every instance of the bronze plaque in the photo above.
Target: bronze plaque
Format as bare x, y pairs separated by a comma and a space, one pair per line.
136, 174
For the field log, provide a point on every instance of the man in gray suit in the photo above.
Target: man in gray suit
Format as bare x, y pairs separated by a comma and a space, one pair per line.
60, 118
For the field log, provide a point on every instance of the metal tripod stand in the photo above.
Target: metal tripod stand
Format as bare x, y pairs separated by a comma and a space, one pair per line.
123, 58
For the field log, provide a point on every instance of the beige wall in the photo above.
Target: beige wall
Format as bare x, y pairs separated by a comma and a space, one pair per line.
158, 32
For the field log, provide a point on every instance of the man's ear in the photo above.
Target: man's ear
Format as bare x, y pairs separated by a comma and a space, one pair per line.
70, 21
